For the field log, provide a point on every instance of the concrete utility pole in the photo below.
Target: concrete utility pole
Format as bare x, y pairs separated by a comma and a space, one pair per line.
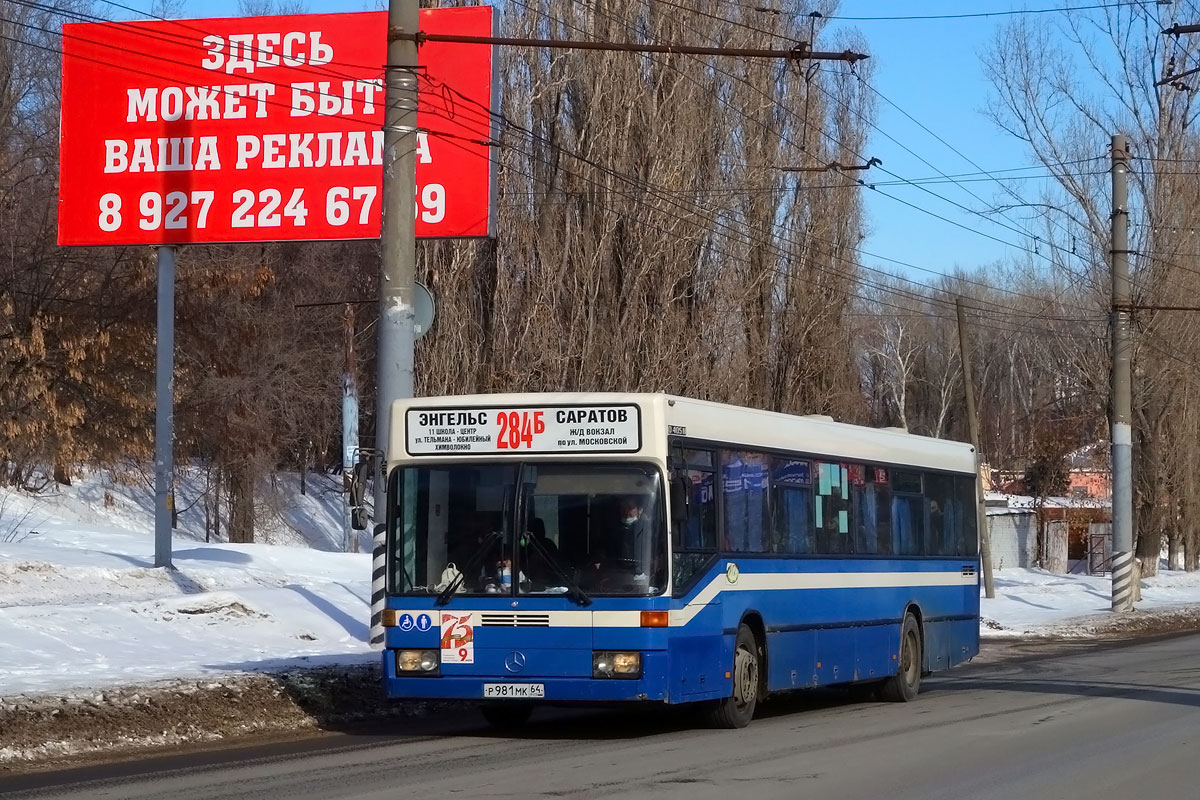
398, 245
985, 536
164, 406
1122, 402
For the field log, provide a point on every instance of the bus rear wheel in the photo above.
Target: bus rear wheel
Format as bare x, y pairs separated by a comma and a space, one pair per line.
506, 717
737, 710
906, 683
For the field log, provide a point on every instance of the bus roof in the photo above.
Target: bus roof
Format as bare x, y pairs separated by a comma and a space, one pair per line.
735, 426
816, 434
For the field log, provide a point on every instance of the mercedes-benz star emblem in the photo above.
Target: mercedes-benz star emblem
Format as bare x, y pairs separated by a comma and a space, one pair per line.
514, 661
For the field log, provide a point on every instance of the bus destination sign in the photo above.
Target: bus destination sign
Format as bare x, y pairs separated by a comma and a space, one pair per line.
515, 431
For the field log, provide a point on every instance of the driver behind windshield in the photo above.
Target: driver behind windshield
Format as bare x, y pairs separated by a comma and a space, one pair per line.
626, 557
623, 541
630, 538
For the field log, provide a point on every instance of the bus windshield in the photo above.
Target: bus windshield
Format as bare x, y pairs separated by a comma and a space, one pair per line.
578, 528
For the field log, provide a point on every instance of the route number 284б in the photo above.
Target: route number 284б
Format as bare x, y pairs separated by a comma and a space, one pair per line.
517, 429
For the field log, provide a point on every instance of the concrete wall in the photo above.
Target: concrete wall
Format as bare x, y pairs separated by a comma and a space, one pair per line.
1014, 539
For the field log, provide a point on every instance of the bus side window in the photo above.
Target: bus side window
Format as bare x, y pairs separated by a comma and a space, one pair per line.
745, 483
791, 500
968, 539
945, 518
908, 513
883, 511
866, 514
700, 532
696, 540
832, 509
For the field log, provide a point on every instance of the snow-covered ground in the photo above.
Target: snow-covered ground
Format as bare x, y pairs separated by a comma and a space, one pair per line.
1034, 603
82, 606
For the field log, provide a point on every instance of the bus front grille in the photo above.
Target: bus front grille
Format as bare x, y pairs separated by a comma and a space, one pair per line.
515, 620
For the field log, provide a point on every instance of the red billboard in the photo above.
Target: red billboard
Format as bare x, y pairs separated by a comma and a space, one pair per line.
266, 129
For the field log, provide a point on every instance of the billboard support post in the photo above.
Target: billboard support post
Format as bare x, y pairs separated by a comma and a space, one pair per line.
164, 407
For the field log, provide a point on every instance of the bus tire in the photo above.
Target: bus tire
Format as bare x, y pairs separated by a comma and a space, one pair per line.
906, 683
505, 716
737, 710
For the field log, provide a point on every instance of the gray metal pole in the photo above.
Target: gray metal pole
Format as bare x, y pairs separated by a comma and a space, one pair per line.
349, 429
985, 536
164, 406
1122, 402
398, 246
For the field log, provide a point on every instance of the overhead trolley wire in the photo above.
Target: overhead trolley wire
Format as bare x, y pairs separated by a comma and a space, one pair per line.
692, 211
565, 23
779, 252
983, 14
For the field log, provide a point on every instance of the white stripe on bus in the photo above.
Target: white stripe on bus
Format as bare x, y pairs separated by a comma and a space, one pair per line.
785, 581
746, 582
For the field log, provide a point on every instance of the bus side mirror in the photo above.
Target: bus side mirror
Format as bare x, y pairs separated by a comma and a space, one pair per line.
679, 500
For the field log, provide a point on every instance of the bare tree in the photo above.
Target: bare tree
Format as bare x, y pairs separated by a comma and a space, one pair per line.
1044, 77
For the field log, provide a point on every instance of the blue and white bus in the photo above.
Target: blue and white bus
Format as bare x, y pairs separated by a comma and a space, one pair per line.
606, 548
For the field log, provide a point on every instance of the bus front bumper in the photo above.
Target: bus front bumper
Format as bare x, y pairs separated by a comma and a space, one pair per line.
651, 686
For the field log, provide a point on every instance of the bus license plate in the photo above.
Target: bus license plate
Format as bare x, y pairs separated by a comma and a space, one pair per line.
516, 691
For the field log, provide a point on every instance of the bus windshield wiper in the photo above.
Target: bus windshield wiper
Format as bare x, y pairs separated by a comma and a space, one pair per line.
573, 590
472, 562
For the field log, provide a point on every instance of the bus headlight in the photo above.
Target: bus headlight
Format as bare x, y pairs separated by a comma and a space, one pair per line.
616, 664
419, 662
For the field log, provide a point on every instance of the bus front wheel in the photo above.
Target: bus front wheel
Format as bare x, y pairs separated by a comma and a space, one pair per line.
737, 710
904, 685
505, 717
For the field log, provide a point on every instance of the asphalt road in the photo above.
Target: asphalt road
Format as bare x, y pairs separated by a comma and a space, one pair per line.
1110, 723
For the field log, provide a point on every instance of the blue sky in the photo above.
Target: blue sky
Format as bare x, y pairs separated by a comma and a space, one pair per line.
929, 70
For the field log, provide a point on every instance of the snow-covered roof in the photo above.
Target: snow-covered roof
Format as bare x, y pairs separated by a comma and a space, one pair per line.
1001, 502
1090, 456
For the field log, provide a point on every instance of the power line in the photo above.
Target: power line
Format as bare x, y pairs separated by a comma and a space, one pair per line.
533, 137
799, 53
944, 199
984, 14
596, 165
771, 246
735, 23
868, 122
132, 71
264, 101
567, 24
780, 252
120, 5
958, 152
861, 156
175, 39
